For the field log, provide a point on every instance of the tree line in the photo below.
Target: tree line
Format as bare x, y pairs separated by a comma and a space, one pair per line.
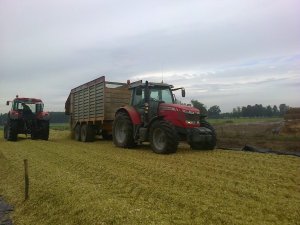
257, 110
55, 117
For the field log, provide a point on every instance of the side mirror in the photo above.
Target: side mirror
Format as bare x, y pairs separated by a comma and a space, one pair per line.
7, 102
183, 92
138, 91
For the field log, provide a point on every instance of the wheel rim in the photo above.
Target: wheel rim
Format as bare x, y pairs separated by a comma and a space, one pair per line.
120, 132
159, 139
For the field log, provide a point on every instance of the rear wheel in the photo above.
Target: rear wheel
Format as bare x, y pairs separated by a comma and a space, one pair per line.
5, 132
163, 137
34, 135
123, 131
45, 130
77, 132
12, 130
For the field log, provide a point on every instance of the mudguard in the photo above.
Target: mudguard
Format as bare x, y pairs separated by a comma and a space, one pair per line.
132, 112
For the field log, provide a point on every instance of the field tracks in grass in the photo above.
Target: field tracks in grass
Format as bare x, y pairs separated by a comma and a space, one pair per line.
97, 183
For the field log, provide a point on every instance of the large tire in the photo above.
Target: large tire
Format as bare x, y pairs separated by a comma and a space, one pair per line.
44, 130
34, 135
163, 137
84, 133
12, 130
208, 145
5, 132
87, 133
123, 131
77, 132
91, 132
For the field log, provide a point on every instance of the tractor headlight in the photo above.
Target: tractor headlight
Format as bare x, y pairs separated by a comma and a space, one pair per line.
14, 114
192, 122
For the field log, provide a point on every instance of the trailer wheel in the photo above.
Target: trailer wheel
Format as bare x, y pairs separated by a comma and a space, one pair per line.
84, 133
77, 132
163, 137
87, 133
123, 131
90, 133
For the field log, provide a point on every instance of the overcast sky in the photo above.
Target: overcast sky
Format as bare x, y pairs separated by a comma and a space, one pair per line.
224, 52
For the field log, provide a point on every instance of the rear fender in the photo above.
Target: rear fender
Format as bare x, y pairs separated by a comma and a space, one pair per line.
133, 114
154, 119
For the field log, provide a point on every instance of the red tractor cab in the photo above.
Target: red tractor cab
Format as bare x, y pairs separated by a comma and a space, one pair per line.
153, 116
27, 117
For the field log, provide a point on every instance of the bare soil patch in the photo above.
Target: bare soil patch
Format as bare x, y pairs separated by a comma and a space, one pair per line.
271, 135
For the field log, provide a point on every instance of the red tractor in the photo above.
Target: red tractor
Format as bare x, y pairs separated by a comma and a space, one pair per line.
153, 116
27, 117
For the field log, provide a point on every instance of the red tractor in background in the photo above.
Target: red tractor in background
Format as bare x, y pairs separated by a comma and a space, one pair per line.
153, 116
27, 117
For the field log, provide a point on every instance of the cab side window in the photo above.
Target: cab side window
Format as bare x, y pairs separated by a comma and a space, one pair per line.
138, 100
39, 108
154, 94
16, 106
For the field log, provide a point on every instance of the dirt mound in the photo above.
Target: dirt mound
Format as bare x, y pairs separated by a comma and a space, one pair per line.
292, 121
293, 111
292, 116
281, 135
291, 127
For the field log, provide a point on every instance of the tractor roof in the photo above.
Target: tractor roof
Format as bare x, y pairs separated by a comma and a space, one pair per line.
150, 84
28, 100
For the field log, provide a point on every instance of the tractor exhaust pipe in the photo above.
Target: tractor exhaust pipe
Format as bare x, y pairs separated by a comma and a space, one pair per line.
147, 100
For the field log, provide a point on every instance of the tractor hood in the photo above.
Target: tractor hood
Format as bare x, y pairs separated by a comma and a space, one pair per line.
177, 107
180, 115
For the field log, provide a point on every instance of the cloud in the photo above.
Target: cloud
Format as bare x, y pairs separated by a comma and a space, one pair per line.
216, 49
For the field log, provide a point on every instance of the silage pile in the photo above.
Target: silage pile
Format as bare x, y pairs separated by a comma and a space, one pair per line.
292, 121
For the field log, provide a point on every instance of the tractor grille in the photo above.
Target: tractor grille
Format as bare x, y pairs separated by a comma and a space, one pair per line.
193, 118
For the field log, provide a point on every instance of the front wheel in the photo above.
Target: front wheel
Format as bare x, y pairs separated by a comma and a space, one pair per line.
123, 131
163, 137
210, 145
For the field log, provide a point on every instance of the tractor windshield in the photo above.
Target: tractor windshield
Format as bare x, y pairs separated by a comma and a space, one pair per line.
33, 107
157, 94
161, 94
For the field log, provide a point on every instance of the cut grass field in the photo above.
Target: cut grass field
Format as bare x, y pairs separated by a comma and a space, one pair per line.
74, 183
